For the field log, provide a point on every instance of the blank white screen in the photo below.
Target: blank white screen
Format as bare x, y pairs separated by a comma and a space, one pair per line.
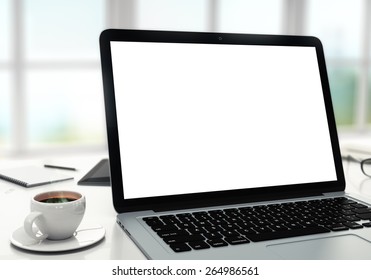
197, 117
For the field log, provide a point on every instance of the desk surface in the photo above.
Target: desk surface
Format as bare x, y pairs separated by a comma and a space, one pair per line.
15, 203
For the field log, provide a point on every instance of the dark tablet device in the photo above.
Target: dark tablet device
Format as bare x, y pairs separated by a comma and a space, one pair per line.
99, 175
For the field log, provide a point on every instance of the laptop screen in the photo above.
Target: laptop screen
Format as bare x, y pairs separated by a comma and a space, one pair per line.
195, 118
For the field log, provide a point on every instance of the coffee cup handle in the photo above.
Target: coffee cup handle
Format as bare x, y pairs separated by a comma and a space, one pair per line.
28, 226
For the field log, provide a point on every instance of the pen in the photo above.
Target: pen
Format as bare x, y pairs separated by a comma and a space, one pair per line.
60, 167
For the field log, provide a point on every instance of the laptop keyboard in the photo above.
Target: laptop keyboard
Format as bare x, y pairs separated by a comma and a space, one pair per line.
233, 226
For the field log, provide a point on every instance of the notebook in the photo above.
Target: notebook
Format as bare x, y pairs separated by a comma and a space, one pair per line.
212, 135
32, 176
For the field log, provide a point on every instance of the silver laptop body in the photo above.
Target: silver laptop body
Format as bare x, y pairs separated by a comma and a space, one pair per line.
199, 122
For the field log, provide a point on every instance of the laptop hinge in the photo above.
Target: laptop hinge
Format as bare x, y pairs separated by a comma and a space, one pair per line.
228, 201
330, 194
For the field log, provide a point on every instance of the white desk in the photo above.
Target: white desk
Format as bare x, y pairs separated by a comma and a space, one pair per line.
15, 203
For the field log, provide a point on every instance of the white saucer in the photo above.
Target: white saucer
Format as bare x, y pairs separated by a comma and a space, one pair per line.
84, 236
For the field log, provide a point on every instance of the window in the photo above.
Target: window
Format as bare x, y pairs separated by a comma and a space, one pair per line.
50, 80
341, 32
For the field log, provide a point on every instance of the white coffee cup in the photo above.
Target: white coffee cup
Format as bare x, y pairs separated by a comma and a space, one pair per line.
55, 214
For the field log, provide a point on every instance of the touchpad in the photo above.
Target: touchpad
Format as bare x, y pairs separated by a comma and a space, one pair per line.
343, 247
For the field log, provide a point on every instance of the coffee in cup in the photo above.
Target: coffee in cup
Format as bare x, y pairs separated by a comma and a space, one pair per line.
55, 214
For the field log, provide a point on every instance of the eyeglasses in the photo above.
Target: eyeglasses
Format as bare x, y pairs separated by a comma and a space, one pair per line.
365, 164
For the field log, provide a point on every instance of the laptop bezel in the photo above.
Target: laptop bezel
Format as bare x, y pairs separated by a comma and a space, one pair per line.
220, 197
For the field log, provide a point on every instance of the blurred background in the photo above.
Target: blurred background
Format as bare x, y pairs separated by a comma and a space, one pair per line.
51, 97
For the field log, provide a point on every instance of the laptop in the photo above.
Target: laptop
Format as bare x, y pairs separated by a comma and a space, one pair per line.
224, 146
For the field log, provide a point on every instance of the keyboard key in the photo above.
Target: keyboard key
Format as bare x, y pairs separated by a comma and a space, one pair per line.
338, 227
229, 233
152, 221
186, 225
180, 247
187, 219
263, 229
217, 243
213, 228
352, 225
170, 220
201, 224
365, 216
196, 230
230, 227
164, 234
164, 228
235, 240
212, 235
344, 200
347, 212
352, 218
359, 205
183, 238
284, 234
198, 245
276, 228
362, 210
